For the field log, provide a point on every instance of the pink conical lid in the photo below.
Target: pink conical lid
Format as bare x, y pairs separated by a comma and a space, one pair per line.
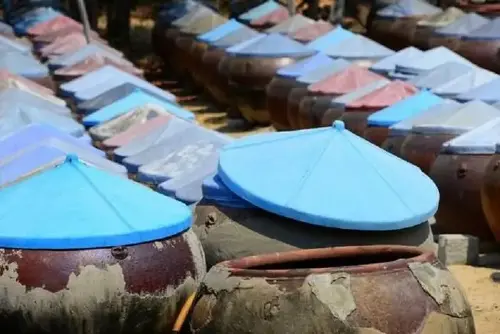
311, 32
95, 62
66, 44
136, 131
275, 17
31, 85
348, 80
50, 37
385, 96
57, 23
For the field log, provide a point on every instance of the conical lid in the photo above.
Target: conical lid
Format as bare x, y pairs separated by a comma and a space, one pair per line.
6, 29
236, 37
488, 31
304, 66
404, 127
215, 191
385, 96
481, 140
408, 8
273, 18
9, 80
457, 121
204, 24
132, 101
23, 65
322, 180
196, 13
67, 44
348, 80
50, 152
465, 83
488, 92
404, 109
190, 180
464, 25
274, 45
34, 17
342, 101
291, 24
123, 122
220, 31
57, 23
359, 47
22, 97
259, 11
312, 32
52, 36
72, 58
14, 45
322, 72
242, 44
430, 60
189, 194
388, 64
330, 39
441, 19
136, 131
59, 216
441, 74
93, 63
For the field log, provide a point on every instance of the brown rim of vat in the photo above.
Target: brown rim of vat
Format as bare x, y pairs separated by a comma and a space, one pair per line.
239, 267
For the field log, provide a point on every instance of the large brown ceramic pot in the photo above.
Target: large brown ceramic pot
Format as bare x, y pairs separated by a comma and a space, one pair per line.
356, 120
490, 195
460, 179
484, 53
228, 233
249, 77
277, 93
168, 49
293, 104
341, 290
128, 289
393, 144
422, 36
450, 42
312, 109
196, 54
423, 149
396, 34
376, 134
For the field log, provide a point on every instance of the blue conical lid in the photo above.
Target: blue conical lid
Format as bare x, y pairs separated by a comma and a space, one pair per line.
195, 14
464, 25
215, 191
304, 66
407, 8
322, 72
332, 38
465, 83
16, 46
236, 37
34, 134
33, 17
441, 74
359, 47
235, 48
328, 177
18, 96
404, 127
457, 120
407, 108
220, 31
488, 31
488, 92
130, 102
259, 11
274, 45
481, 140
59, 215
52, 151
23, 65
159, 135
5, 28
204, 24
388, 64
191, 179
190, 193
72, 58
430, 60
291, 24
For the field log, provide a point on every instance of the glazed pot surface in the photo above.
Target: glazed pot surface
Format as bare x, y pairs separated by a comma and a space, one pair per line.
450, 42
483, 53
394, 33
312, 109
363, 289
197, 70
169, 51
421, 37
393, 144
490, 195
277, 100
215, 68
356, 121
376, 135
294, 99
460, 179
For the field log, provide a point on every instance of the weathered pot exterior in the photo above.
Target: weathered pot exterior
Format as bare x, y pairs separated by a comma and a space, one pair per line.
490, 196
363, 289
184, 62
46, 82
196, 53
393, 144
131, 289
293, 106
422, 150
450, 42
229, 233
168, 50
356, 121
394, 33
277, 101
376, 135
215, 75
483, 53
422, 36
312, 109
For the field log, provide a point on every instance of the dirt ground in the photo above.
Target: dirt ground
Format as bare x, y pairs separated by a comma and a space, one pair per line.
482, 292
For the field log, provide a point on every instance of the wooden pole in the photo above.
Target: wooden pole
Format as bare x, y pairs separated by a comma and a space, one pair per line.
337, 12
85, 19
291, 7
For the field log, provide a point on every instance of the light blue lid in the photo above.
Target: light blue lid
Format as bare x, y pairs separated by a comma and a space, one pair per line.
304, 66
195, 14
328, 177
59, 216
400, 76
481, 140
430, 60
404, 109
220, 31
331, 38
34, 17
32, 135
341, 101
18, 96
233, 49
23, 64
441, 74
457, 120
190, 193
322, 72
215, 192
236, 37
168, 146
404, 127
407, 8
388, 64
5, 28
463, 26
72, 58
274, 45
488, 92
260, 11
359, 47
488, 31
14, 45
130, 102
50, 152
155, 137
291, 24
465, 83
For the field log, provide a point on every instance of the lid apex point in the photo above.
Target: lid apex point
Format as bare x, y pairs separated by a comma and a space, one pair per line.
338, 125
71, 158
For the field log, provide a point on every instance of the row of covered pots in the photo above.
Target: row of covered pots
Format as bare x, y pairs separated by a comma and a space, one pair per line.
236, 217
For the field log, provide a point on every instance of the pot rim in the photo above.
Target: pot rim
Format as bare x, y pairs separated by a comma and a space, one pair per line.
240, 267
